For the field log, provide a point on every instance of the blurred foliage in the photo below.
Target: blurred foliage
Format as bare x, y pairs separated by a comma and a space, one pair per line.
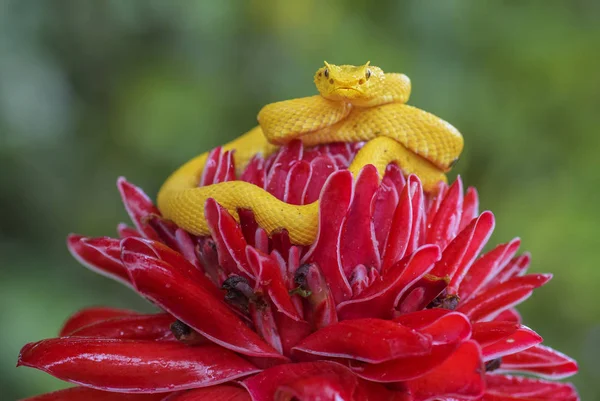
90, 90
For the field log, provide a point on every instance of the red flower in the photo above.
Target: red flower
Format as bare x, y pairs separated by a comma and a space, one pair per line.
391, 302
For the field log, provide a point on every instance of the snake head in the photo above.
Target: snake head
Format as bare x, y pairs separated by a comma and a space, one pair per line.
355, 84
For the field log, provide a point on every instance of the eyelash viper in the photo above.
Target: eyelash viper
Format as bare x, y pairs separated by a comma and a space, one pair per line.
356, 103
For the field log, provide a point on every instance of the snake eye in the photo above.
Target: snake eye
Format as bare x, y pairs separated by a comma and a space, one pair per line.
368, 74
326, 72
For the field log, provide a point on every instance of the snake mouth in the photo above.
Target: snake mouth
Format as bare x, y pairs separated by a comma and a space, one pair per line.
347, 91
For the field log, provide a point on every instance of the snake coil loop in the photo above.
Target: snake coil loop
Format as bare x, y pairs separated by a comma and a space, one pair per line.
356, 103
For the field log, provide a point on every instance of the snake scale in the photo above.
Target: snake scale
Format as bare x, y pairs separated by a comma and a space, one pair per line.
355, 103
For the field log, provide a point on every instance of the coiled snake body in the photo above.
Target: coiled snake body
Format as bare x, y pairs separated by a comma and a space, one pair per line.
356, 103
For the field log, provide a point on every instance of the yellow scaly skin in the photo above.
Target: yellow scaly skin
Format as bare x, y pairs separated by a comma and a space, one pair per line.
356, 103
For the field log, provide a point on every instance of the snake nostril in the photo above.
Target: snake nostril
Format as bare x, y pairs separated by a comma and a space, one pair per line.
331, 81
361, 81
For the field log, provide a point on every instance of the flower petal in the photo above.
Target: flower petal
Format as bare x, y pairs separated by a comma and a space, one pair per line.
138, 206
107, 364
470, 208
496, 299
461, 375
380, 298
447, 330
514, 388
444, 326
303, 380
255, 172
357, 243
154, 250
264, 385
385, 202
223, 392
405, 228
269, 278
136, 327
486, 268
542, 361
325, 252
92, 315
500, 339
90, 394
322, 168
462, 251
95, 260
368, 340
191, 303
402, 369
444, 226
296, 183
229, 239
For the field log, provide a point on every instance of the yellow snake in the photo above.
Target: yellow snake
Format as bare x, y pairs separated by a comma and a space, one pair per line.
356, 103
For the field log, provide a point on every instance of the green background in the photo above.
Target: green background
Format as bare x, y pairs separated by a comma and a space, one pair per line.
90, 90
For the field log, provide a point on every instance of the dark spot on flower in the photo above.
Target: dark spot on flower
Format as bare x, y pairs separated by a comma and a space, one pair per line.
240, 294
300, 279
492, 365
185, 333
445, 301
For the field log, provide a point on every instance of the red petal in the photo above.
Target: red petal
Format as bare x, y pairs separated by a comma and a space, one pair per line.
386, 200
263, 386
369, 340
444, 326
165, 229
291, 331
402, 369
229, 238
125, 231
542, 361
470, 208
278, 174
381, 297
498, 339
358, 244
486, 268
303, 380
458, 256
322, 167
155, 250
509, 315
225, 168
516, 267
89, 394
509, 388
461, 375
138, 206
92, 315
321, 312
325, 252
269, 278
192, 304
255, 172
210, 167
296, 183
95, 260
223, 392
447, 329
444, 226
316, 388
134, 366
137, 327
405, 228
502, 296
